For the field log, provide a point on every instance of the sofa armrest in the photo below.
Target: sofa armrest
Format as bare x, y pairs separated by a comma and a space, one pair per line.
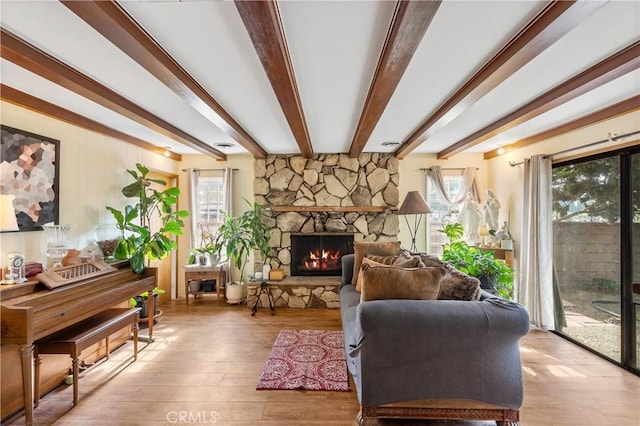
347, 269
408, 350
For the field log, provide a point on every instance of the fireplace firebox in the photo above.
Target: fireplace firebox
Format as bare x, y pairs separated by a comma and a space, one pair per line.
319, 254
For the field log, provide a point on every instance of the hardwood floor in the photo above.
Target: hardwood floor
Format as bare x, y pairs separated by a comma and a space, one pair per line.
206, 360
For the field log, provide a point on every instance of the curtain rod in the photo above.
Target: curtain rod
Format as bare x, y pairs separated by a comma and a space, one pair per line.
209, 170
588, 145
447, 168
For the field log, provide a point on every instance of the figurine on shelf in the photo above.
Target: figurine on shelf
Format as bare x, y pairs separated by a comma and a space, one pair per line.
470, 217
491, 210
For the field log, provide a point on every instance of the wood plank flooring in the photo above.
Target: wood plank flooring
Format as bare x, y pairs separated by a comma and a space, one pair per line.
206, 360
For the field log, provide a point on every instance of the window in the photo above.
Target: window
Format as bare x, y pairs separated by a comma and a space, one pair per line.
210, 205
441, 211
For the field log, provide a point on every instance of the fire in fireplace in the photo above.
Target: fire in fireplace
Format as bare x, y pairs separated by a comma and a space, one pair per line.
319, 253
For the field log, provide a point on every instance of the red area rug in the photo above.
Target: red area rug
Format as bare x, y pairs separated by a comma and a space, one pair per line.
306, 359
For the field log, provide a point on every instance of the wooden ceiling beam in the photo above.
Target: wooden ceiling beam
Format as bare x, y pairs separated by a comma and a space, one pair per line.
262, 21
114, 23
623, 107
29, 57
552, 23
615, 66
24, 100
410, 21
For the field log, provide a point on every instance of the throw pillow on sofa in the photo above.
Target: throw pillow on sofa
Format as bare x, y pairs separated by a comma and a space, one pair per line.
457, 285
362, 248
366, 261
408, 261
390, 282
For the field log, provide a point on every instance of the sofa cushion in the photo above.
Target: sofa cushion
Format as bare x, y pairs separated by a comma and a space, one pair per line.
366, 261
362, 248
408, 262
427, 259
457, 285
390, 282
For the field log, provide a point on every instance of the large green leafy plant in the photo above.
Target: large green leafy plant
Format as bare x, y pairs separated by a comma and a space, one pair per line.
475, 262
139, 241
239, 235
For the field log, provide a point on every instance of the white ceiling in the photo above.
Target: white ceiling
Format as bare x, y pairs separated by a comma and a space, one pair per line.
334, 47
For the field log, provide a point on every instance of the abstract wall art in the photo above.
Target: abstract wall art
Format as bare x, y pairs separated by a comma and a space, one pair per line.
29, 170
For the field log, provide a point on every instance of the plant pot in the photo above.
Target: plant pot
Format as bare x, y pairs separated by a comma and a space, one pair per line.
143, 304
208, 285
489, 283
194, 285
235, 292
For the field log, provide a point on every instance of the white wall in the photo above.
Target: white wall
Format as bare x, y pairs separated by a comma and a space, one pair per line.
92, 173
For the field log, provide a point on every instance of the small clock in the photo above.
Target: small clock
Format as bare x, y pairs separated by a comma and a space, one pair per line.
16, 260
16, 270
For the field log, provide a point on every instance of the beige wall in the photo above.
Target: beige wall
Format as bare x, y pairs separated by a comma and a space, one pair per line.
92, 173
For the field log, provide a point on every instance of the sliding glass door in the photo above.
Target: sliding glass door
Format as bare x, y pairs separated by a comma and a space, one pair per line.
596, 226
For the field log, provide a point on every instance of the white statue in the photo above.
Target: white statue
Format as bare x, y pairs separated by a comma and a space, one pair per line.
491, 211
470, 217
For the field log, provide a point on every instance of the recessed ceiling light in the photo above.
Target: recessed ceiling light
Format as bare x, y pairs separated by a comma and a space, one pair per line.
390, 143
223, 145
500, 150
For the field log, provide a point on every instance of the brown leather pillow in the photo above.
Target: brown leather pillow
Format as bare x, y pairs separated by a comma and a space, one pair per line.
390, 282
362, 248
456, 285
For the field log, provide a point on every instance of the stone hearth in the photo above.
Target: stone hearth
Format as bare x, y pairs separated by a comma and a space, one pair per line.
299, 293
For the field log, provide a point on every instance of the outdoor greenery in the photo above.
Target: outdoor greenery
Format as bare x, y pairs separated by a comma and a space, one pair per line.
238, 235
475, 262
139, 241
589, 191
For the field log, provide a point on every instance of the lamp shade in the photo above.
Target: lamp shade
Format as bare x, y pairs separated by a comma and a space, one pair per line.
414, 204
8, 220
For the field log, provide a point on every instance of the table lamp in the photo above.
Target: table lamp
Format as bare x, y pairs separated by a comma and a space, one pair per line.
416, 205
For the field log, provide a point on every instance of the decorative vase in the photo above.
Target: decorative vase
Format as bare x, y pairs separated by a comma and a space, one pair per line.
57, 236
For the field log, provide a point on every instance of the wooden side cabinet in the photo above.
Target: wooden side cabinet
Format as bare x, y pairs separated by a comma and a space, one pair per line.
500, 253
204, 273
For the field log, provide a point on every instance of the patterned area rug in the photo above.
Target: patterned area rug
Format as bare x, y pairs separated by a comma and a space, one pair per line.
306, 359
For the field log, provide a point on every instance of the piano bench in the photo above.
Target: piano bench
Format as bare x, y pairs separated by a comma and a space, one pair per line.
74, 339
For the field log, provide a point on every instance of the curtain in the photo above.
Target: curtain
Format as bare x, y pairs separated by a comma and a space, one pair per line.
228, 190
468, 184
535, 287
193, 176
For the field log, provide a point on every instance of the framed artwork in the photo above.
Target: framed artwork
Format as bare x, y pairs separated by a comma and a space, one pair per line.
29, 170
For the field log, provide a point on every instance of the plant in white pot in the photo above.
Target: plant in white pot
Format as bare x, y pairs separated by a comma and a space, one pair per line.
237, 237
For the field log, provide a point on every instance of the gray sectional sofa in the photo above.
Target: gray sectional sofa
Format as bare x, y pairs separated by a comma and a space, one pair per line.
439, 359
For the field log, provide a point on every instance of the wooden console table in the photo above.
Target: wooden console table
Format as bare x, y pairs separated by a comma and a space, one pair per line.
500, 253
204, 273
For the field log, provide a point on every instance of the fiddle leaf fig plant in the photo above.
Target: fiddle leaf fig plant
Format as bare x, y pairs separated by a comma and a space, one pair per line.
139, 241
477, 263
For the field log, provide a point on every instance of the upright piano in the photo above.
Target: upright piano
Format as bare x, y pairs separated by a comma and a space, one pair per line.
31, 311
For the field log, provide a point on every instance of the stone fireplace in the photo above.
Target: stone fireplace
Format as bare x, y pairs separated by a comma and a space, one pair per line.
329, 194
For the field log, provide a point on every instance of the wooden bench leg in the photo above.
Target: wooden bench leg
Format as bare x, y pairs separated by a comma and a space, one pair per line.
76, 372
36, 370
135, 337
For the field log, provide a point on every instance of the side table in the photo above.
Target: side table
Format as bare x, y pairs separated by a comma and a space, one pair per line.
204, 273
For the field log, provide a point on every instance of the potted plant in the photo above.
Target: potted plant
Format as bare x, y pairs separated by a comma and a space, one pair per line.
494, 274
236, 238
205, 255
138, 241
